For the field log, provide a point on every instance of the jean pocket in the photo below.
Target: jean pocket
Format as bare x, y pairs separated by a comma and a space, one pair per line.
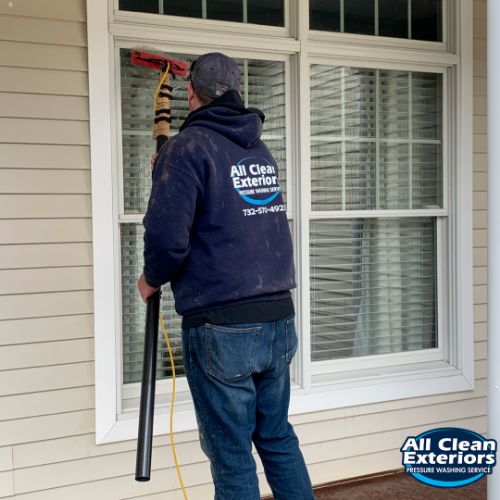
230, 350
291, 340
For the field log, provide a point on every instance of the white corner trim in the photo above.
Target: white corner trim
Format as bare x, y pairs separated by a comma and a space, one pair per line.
493, 62
462, 268
100, 61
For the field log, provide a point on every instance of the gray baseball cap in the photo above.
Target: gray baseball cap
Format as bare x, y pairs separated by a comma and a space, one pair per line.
213, 74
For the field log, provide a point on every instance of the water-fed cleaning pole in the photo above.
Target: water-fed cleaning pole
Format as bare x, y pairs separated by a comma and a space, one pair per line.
161, 132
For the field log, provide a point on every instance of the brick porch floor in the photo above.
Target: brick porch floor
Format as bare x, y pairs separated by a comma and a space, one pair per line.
396, 486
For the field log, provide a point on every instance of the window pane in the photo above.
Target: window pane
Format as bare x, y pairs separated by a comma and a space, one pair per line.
427, 181
263, 85
360, 167
225, 10
426, 20
375, 139
427, 103
186, 8
269, 12
373, 287
151, 6
265, 12
394, 104
324, 15
138, 86
134, 313
359, 101
393, 18
394, 171
359, 16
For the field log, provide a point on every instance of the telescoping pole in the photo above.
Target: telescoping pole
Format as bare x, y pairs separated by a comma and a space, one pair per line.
148, 385
161, 132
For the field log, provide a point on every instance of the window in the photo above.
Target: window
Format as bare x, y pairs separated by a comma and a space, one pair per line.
372, 137
376, 145
268, 12
263, 86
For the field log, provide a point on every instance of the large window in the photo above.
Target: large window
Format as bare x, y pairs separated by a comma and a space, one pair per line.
376, 144
263, 86
371, 142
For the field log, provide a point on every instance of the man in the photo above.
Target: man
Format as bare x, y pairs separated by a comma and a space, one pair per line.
216, 228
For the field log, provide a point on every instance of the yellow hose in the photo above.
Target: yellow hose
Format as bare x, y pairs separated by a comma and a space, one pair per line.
158, 88
167, 341
172, 364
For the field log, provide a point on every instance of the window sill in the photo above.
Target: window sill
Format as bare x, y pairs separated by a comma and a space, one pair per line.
368, 387
377, 386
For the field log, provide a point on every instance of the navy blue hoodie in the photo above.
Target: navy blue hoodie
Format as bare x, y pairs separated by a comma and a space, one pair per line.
216, 224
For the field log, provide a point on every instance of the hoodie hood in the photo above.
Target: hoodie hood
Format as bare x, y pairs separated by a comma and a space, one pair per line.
228, 116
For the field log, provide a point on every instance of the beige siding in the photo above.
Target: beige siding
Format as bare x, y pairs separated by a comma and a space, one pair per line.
47, 423
46, 344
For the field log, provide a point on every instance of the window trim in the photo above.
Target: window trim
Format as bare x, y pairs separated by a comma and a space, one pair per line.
111, 424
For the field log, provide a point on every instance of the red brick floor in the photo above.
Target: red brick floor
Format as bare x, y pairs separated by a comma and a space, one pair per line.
399, 486
396, 486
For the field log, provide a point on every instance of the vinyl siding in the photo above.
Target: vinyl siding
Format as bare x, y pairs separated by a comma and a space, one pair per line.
47, 448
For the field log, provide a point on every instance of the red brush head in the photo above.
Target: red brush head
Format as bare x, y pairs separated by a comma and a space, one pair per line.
154, 61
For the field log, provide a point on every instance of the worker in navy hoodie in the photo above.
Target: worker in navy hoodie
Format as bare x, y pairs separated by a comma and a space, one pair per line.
216, 229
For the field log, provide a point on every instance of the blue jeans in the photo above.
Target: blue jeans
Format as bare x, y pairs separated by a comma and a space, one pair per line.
240, 382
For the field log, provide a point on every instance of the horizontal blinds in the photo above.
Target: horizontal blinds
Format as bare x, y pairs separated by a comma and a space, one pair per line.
376, 139
264, 88
373, 286
134, 313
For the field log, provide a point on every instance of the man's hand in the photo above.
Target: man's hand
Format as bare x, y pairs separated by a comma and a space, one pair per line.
144, 289
152, 161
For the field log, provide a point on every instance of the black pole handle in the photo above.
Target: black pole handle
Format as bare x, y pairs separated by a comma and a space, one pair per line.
160, 141
148, 385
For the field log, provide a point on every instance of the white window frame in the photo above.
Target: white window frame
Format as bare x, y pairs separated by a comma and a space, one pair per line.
409, 376
360, 365
130, 392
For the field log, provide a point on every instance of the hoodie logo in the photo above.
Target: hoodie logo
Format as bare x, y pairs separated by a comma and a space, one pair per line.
255, 179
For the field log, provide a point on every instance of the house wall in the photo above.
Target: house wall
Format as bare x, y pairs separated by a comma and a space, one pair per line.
47, 445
